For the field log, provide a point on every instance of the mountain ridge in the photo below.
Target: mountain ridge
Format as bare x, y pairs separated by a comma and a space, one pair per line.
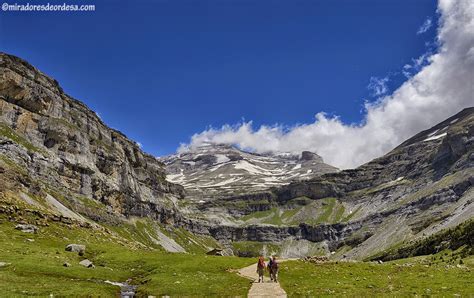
220, 169
59, 159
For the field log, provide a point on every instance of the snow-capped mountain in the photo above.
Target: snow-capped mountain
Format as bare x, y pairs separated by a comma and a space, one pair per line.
213, 170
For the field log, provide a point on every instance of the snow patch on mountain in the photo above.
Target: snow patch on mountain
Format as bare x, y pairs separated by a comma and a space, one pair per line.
217, 170
298, 166
435, 137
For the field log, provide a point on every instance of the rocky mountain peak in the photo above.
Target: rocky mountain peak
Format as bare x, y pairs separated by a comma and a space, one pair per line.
219, 170
308, 155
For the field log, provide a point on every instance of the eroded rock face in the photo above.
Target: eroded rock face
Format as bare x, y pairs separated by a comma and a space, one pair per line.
62, 143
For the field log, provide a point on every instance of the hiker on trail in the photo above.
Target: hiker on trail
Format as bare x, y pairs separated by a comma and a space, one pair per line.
274, 269
260, 268
269, 267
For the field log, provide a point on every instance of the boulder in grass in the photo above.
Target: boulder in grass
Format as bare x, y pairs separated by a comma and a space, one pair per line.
66, 264
4, 264
27, 228
86, 263
79, 248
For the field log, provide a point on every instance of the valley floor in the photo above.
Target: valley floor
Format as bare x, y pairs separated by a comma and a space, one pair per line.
33, 265
407, 277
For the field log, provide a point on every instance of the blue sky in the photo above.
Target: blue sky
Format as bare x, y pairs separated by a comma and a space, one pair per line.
161, 71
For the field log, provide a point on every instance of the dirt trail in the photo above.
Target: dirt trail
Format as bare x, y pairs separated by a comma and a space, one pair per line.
265, 289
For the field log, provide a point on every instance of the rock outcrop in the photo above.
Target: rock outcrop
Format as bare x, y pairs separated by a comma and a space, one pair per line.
64, 150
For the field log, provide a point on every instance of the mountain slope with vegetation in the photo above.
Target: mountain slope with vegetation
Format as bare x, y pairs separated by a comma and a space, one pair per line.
69, 181
459, 238
58, 160
37, 264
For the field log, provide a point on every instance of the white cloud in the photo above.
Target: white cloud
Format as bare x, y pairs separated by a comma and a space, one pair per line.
378, 86
417, 64
407, 68
425, 27
440, 89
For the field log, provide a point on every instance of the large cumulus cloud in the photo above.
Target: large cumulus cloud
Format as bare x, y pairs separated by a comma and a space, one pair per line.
440, 89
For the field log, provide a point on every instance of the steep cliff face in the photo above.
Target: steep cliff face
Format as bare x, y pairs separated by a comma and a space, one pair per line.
67, 150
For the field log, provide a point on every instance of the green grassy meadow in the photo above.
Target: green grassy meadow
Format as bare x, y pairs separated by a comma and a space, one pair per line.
36, 266
407, 277
37, 269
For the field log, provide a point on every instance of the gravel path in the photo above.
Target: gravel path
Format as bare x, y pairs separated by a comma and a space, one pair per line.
265, 289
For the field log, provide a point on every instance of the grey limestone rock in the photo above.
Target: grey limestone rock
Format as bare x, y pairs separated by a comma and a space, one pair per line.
79, 248
86, 263
27, 228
